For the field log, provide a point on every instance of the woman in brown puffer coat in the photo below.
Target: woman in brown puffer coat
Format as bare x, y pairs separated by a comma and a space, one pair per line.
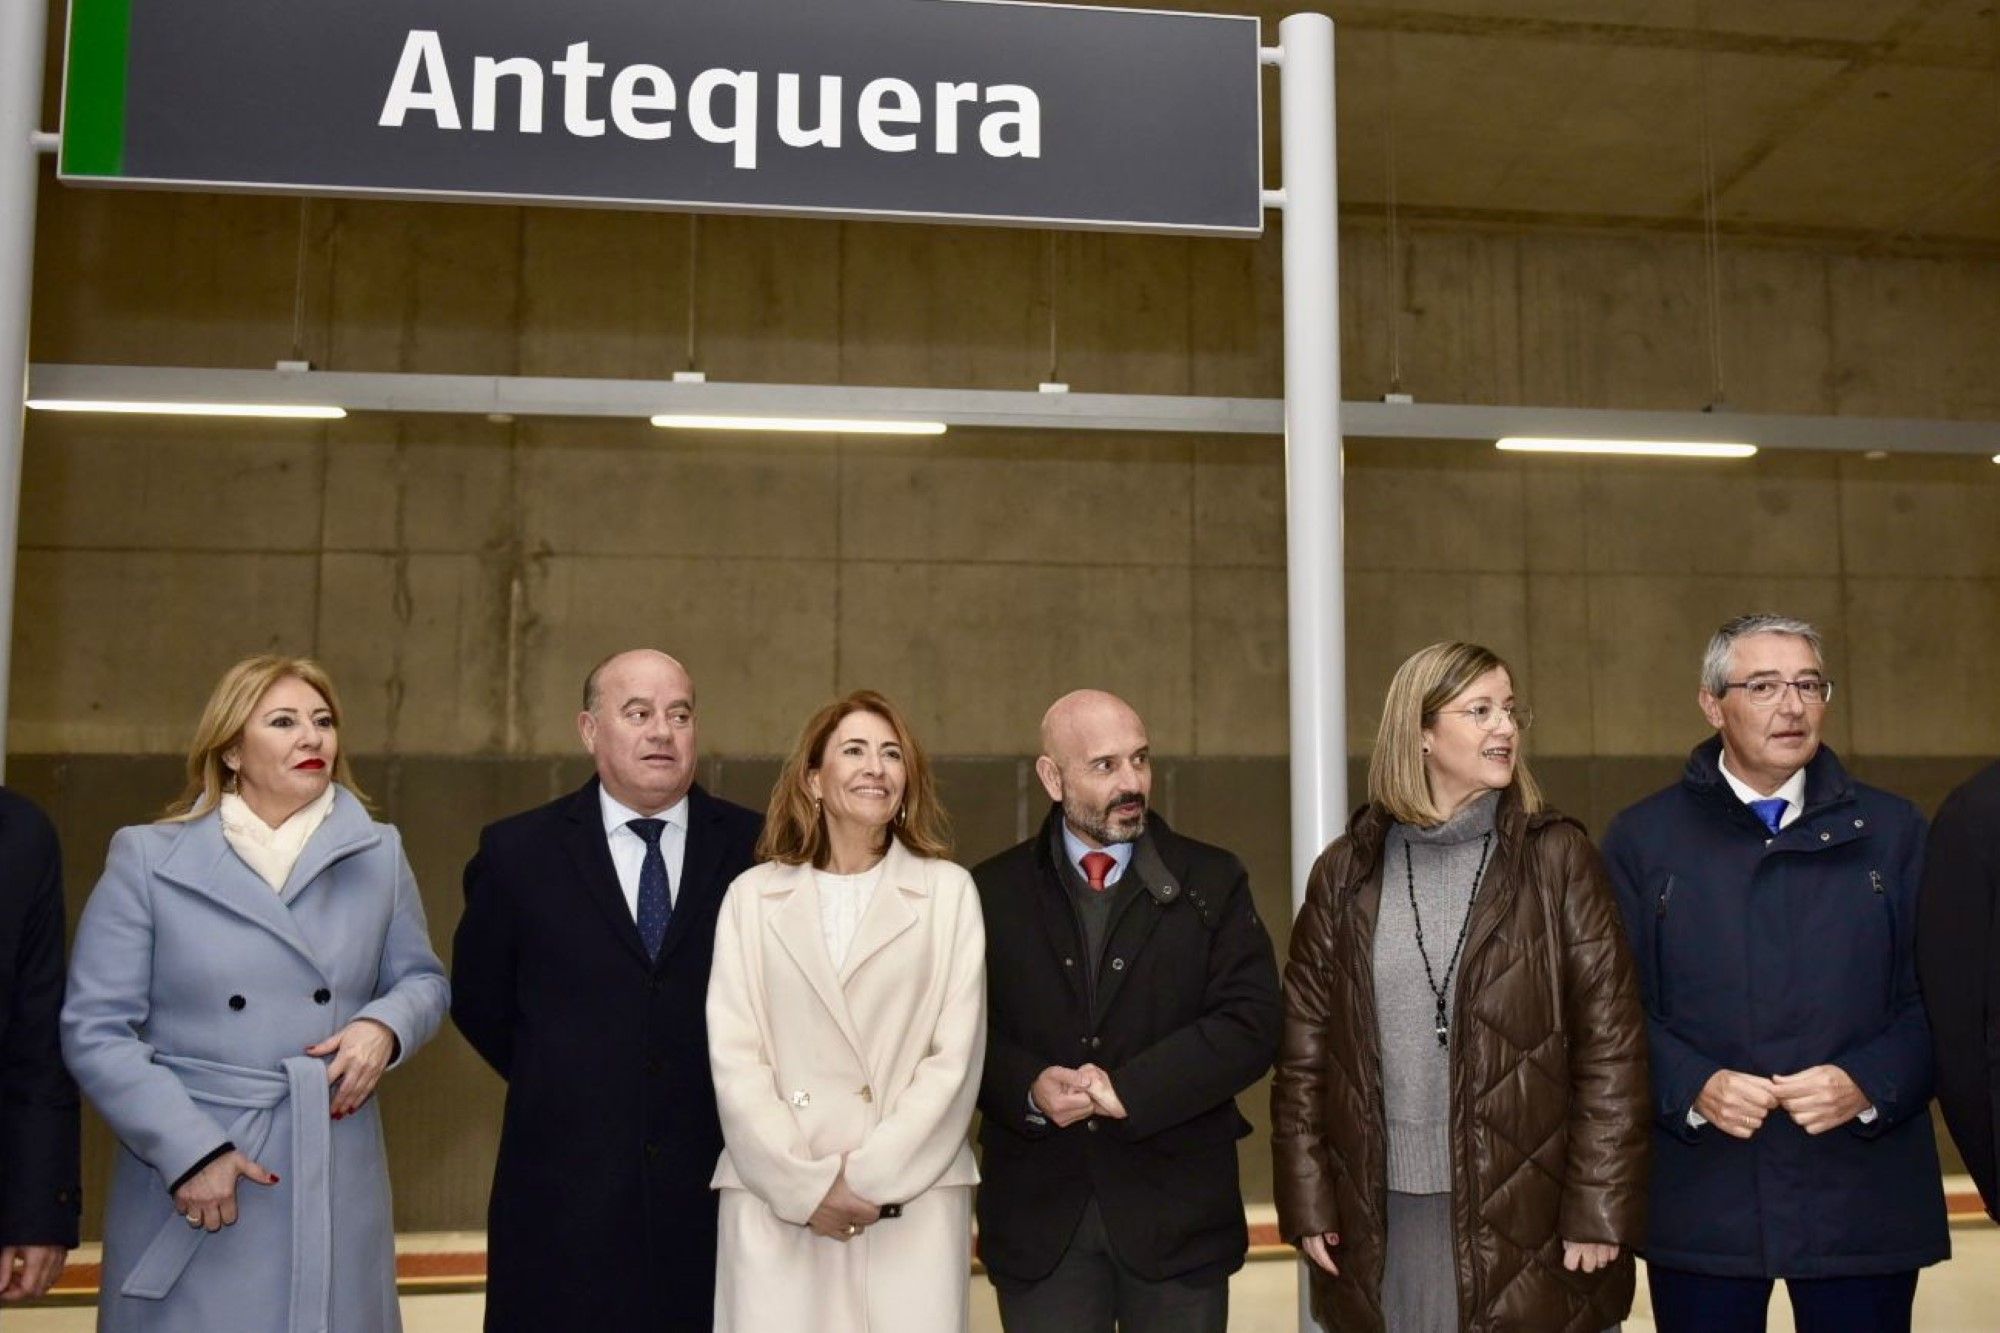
1460, 1114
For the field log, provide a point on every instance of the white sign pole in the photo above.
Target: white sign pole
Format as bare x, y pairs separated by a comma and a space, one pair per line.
23, 32
1316, 588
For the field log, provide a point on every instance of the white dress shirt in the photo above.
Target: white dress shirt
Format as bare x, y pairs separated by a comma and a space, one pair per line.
1793, 790
628, 849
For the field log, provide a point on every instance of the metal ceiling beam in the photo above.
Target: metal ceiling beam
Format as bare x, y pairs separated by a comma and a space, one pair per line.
549, 396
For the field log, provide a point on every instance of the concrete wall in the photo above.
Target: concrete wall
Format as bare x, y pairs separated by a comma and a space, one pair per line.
458, 575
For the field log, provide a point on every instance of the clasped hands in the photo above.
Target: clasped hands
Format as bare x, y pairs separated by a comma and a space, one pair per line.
1066, 1096
1818, 1099
842, 1214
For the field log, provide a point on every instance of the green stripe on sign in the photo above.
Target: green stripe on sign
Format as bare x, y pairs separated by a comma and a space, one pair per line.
93, 132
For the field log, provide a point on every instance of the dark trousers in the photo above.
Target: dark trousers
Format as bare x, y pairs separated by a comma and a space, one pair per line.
1698, 1303
1090, 1291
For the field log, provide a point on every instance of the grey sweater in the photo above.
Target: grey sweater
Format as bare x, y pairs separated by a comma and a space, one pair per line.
1416, 1071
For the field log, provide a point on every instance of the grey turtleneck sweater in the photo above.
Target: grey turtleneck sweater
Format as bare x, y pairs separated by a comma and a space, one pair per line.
1416, 1071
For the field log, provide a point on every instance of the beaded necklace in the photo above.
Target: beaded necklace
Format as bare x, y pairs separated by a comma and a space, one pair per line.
1442, 993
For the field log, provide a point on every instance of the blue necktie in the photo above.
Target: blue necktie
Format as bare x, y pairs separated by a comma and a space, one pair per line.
1771, 810
656, 908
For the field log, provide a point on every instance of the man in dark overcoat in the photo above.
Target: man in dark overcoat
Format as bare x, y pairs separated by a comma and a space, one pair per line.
1958, 961
1132, 994
40, 1196
580, 973
1770, 900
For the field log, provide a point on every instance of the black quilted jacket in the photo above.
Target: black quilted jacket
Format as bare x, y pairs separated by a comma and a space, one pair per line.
1549, 1100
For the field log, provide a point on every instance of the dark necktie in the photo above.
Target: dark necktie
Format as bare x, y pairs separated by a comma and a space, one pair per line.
1771, 810
1096, 865
656, 908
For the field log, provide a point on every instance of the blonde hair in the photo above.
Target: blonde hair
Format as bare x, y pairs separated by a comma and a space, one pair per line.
228, 712
1429, 680
795, 827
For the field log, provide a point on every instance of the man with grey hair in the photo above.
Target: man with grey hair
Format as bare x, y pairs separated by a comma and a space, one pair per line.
580, 973
1131, 995
1770, 900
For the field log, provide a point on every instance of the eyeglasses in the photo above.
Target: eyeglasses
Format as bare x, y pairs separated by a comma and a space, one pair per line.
1766, 692
1487, 716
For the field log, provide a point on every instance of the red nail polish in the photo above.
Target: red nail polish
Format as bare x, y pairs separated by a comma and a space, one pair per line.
274, 1177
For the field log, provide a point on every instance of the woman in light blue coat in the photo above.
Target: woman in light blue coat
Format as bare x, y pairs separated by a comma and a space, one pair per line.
244, 973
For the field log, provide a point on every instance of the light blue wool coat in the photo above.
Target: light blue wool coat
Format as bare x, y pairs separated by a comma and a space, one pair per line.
194, 990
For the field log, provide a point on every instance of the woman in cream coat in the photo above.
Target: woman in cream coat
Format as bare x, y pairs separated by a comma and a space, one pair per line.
847, 1024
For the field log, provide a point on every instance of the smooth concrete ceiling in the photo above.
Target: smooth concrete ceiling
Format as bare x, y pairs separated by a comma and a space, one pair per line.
1875, 122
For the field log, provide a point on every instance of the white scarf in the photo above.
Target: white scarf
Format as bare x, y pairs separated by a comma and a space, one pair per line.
272, 852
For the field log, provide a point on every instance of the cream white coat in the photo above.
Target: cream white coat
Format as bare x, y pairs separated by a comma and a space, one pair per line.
878, 1063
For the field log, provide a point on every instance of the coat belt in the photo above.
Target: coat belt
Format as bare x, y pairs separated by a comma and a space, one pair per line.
257, 1094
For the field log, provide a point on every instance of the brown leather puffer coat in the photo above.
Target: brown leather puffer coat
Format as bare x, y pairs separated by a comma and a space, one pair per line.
1550, 1127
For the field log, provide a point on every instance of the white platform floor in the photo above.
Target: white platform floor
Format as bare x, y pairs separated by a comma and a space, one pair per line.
1957, 1297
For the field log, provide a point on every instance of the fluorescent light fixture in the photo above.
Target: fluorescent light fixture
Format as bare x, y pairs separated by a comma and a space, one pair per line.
818, 425
1528, 444
293, 411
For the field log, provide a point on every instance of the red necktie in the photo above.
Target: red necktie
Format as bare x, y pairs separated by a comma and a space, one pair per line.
1097, 865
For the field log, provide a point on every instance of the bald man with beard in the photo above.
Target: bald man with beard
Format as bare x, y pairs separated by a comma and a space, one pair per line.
1131, 995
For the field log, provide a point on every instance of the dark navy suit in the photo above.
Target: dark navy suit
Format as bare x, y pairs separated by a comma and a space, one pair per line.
601, 1215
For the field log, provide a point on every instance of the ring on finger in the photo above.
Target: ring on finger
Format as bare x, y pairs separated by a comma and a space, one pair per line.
193, 1218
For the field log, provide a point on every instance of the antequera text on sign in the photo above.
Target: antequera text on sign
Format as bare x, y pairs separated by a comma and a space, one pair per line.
889, 115
944, 109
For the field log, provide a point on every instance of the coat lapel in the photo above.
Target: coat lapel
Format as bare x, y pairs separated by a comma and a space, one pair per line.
203, 863
1153, 888
701, 864
596, 877
888, 913
794, 920
1058, 918
347, 829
